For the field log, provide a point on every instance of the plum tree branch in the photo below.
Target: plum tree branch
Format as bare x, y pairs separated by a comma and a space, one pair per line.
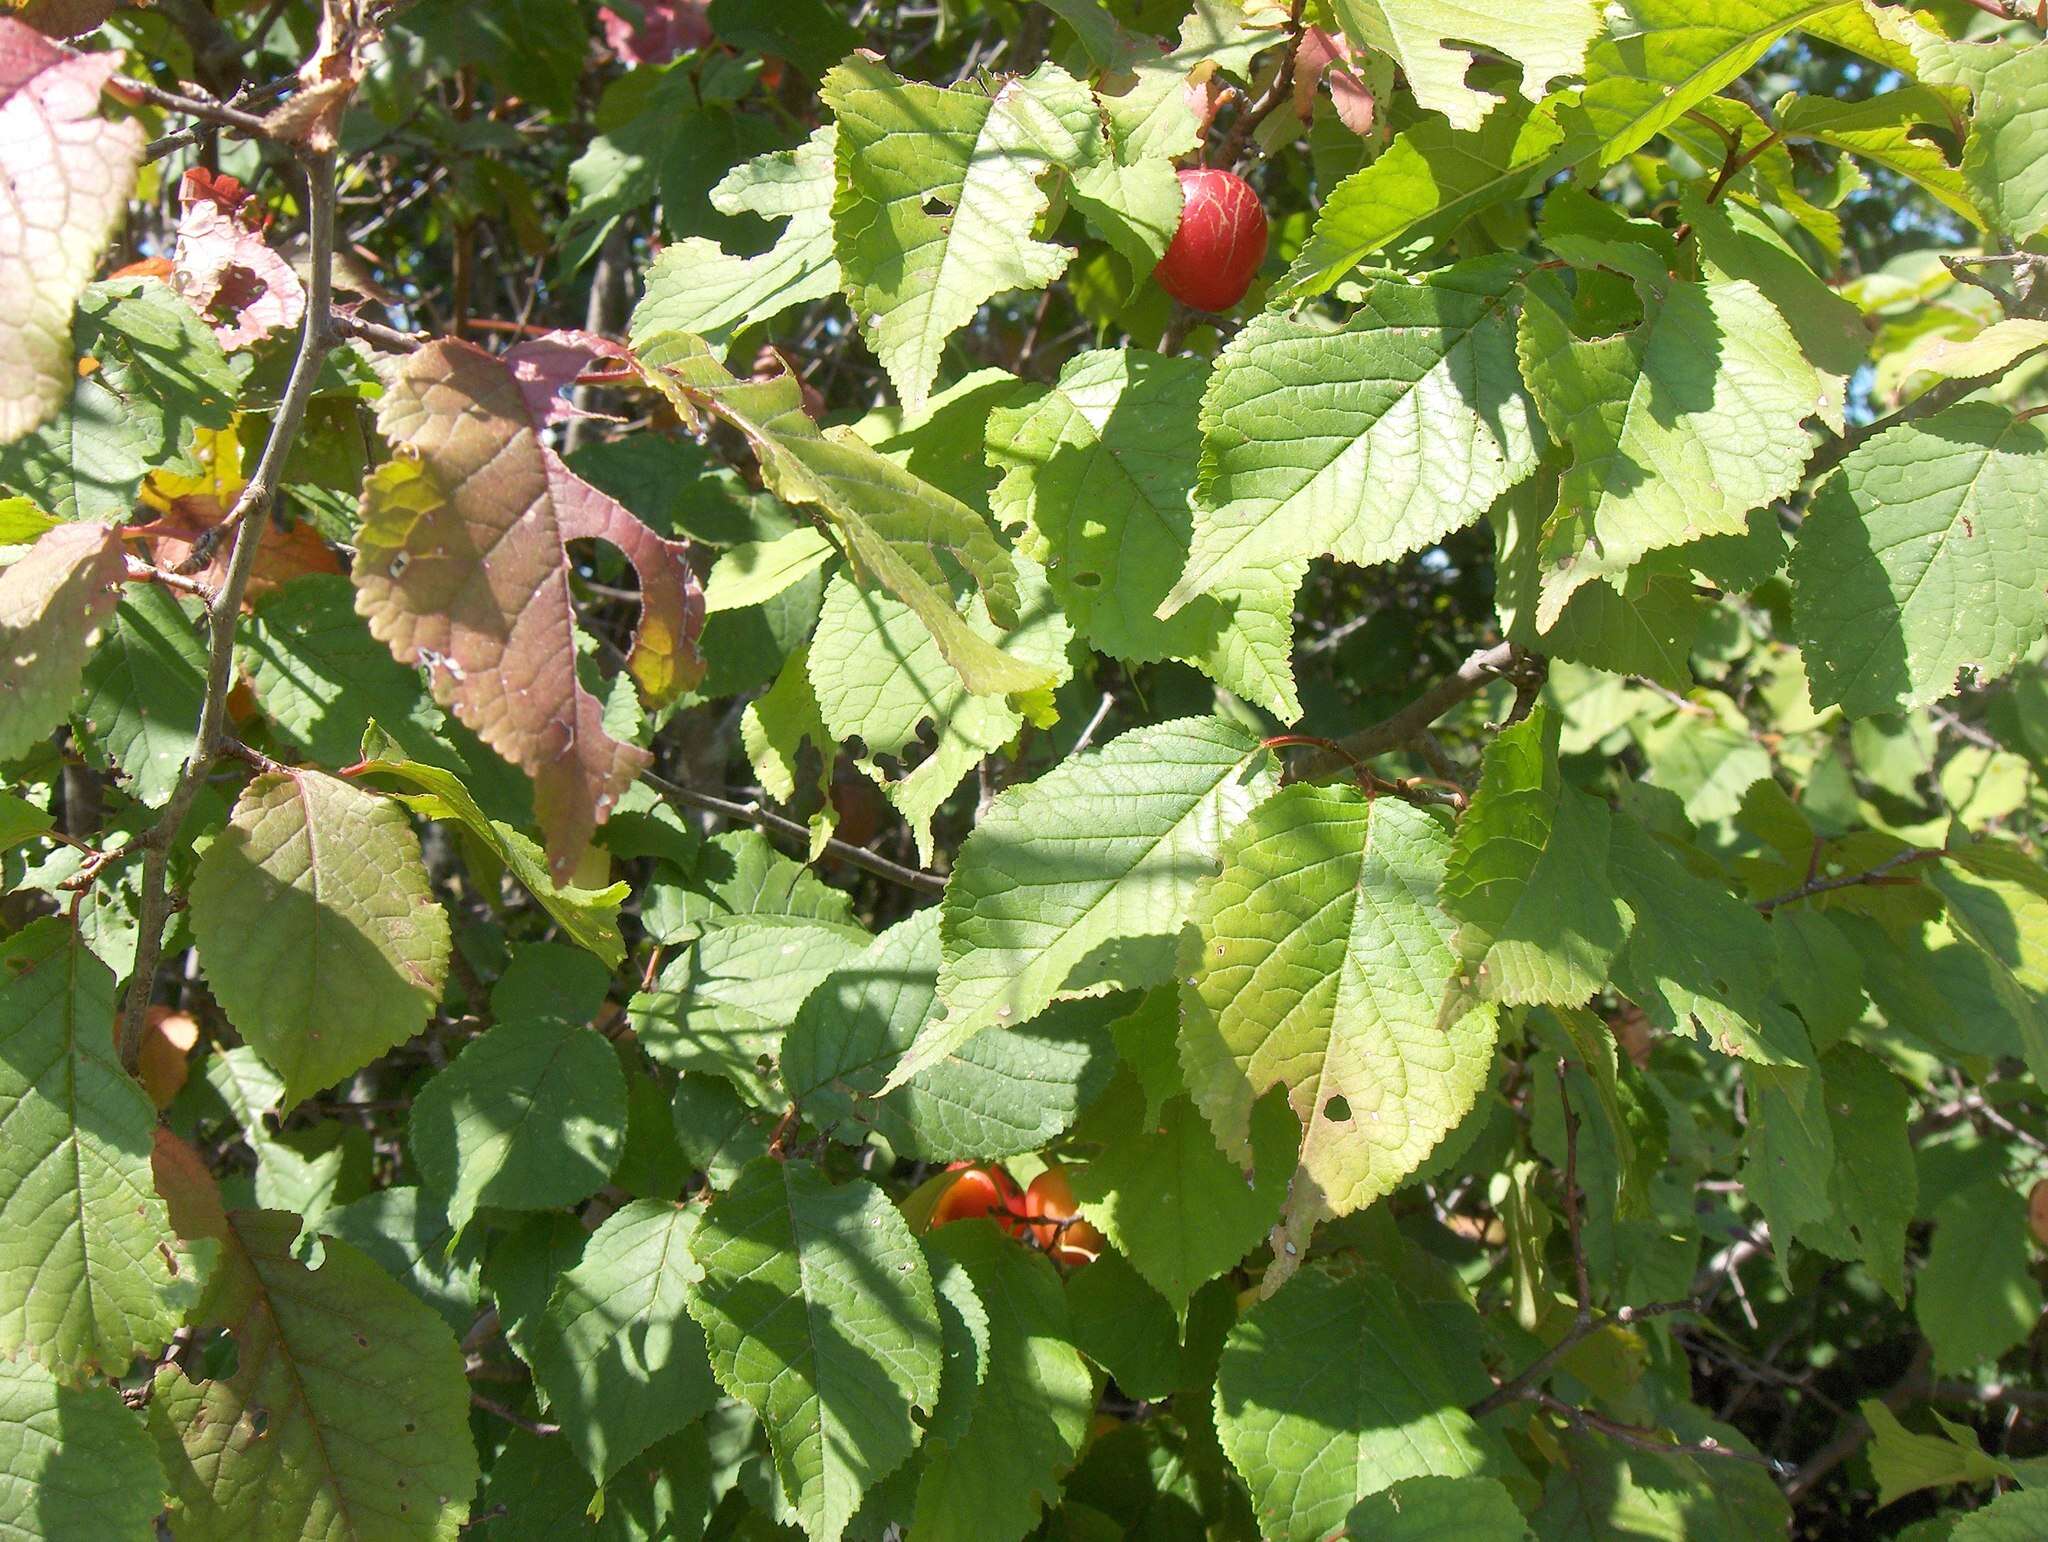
249, 522
1480, 670
763, 819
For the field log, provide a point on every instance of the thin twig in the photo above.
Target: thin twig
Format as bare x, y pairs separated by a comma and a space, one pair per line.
1874, 875
762, 819
1472, 677
1640, 1437
315, 339
492, 1406
1280, 89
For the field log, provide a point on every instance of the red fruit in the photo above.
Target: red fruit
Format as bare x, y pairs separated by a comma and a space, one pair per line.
1051, 1199
1220, 243
980, 1191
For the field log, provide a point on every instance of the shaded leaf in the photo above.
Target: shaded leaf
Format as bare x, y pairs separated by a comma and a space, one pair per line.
81, 168
52, 604
838, 1380
317, 928
88, 1275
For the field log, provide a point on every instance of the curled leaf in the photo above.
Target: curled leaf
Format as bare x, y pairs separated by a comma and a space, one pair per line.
223, 264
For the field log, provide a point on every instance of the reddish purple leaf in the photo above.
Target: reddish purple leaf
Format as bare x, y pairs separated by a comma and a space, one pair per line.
223, 261
460, 566
665, 29
66, 174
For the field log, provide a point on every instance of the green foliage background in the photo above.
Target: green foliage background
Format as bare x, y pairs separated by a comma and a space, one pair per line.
666, 634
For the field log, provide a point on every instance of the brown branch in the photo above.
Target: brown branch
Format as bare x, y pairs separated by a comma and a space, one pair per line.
218, 114
1472, 677
1640, 1437
762, 819
315, 339
1522, 1386
1875, 875
390, 339
492, 1406
1280, 89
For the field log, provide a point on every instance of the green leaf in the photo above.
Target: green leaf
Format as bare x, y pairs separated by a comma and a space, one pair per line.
346, 1413
1315, 961
808, 33
1311, 1432
1677, 429
898, 529
1997, 903
1976, 1297
1027, 921
1548, 41
1431, 176
1666, 56
756, 571
716, 1131
1125, 1326
588, 917
1539, 920
1035, 1399
536, 1488
1004, 1093
693, 286
1905, 1462
1887, 130
52, 604
964, 1342
1873, 1188
1100, 468
78, 1461
88, 1281
88, 462
817, 1305
1918, 559
530, 1116
1416, 422
738, 875
1789, 1155
879, 677
774, 728
1607, 1491
2005, 159
722, 1003
1426, 1509
323, 679
910, 282
1645, 625
2015, 1517
144, 687
409, 1236
317, 928
1698, 959
81, 168
621, 1361
1179, 1209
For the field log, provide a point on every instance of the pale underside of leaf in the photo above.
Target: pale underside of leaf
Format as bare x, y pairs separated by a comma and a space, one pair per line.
67, 172
1076, 884
52, 602
317, 928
